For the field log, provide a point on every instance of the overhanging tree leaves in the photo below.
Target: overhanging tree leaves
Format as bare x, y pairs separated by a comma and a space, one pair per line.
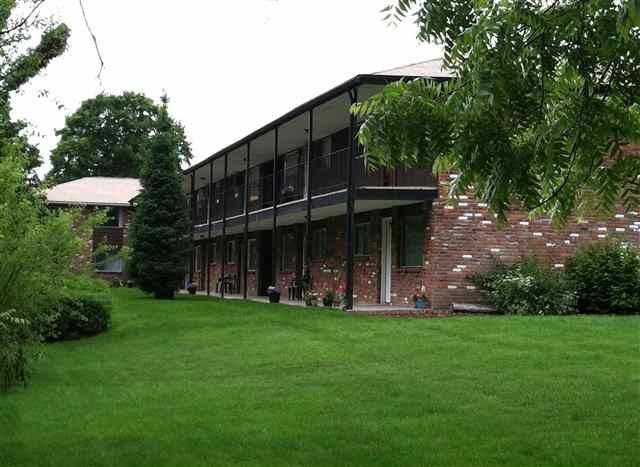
160, 229
18, 65
542, 112
110, 136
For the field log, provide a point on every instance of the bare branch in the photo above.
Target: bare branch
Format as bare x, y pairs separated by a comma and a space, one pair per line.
25, 19
93, 37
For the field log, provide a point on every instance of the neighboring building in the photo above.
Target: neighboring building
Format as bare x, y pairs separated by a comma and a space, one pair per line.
111, 194
374, 236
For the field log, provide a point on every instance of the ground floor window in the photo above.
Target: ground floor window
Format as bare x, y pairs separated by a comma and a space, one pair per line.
109, 263
362, 239
288, 252
231, 252
253, 255
319, 245
197, 258
412, 241
213, 251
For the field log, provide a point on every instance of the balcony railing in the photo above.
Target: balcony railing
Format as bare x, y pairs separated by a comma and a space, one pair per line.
328, 173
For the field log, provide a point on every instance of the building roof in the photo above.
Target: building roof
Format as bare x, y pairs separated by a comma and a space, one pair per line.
428, 69
95, 191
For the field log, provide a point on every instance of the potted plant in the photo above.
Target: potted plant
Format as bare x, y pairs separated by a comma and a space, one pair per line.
192, 288
329, 298
420, 299
274, 294
311, 299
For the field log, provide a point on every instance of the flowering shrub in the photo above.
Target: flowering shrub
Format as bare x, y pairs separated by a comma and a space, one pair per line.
527, 288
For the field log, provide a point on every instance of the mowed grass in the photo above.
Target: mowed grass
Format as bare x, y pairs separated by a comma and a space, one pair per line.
196, 382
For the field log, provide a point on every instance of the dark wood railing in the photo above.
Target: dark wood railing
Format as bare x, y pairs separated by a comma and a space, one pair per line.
329, 173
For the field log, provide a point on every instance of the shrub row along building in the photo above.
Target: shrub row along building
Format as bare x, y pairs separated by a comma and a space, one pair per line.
293, 206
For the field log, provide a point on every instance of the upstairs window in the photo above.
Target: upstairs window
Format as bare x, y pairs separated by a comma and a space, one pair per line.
112, 217
322, 153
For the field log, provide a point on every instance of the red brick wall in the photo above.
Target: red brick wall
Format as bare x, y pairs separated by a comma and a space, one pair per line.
464, 239
459, 240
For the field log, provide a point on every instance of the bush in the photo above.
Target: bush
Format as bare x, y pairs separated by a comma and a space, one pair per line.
527, 288
606, 275
329, 298
14, 335
82, 308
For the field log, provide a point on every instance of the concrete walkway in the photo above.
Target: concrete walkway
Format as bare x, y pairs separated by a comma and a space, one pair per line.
366, 309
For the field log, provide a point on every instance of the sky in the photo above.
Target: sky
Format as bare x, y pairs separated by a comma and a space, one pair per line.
228, 67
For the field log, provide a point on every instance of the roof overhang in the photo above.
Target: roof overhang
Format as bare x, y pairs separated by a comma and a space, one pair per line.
379, 79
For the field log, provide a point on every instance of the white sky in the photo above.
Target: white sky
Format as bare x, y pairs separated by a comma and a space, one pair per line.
229, 67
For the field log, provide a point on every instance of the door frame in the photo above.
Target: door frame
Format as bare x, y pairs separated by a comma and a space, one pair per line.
386, 258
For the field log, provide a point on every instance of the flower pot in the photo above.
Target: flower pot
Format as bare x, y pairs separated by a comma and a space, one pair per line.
274, 297
421, 303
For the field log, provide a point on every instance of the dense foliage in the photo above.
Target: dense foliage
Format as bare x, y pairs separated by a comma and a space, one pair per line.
18, 65
110, 136
159, 236
607, 277
38, 249
82, 307
14, 332
527, 288
543, 106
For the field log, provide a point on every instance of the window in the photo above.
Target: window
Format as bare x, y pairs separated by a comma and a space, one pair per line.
113, 263
254, 184
231, 252
288, 252
202, 205
322, 154
319, 245
362, 239
253, 255
197, 258
412, 240
113, 217
213, 251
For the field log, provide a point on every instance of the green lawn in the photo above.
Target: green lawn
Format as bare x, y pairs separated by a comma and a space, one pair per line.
202, 382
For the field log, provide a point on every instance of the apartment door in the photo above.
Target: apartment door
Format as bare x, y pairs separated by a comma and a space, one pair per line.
386, 261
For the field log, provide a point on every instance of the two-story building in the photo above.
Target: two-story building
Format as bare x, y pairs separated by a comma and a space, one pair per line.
293, 205
112, 195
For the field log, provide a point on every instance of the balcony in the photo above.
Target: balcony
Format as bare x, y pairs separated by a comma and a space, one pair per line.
328, 187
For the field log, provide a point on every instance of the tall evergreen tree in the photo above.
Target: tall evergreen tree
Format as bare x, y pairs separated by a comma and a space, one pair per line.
160, 228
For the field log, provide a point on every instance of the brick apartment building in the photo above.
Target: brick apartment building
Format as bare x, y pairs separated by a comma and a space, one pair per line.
108, 193
292, 203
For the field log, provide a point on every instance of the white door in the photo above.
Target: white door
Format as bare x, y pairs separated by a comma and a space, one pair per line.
385, 262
